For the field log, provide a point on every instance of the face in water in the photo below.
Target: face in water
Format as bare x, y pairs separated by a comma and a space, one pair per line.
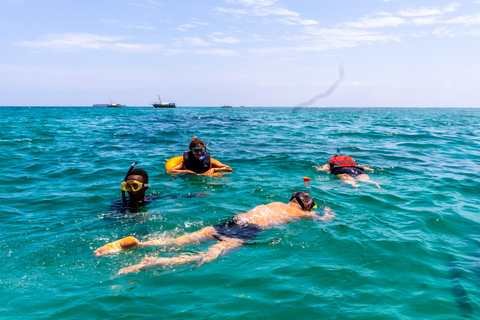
199, 152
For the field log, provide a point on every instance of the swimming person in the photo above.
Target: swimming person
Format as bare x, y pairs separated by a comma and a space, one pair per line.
230, 236
347, 169
197, 161
136, 184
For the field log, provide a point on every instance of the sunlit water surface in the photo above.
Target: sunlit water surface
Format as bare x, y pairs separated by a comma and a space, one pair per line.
407, 251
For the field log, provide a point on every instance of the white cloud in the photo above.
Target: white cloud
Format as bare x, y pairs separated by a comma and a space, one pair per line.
420, 12
376, 22
72, 41
83, 41
450, 32
192, 42
452, 7
322, 39
264, 8
125, 26
185, 27
195, 23
221, 52
425, 21
228, 40
293, 21
466, 19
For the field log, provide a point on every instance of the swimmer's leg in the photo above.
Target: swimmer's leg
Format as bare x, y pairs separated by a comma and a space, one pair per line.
200, 236
197, 237
347, 179
220, 249
366, 178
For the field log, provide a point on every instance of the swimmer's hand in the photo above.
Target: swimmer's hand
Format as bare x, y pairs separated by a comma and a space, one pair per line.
324, 168
209, 173
117, 246
328, 215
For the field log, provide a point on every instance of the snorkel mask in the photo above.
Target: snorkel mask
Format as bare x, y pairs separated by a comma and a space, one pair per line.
200, 150
296, 196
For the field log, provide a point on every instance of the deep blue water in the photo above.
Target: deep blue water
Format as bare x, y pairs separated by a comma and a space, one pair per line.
407, 251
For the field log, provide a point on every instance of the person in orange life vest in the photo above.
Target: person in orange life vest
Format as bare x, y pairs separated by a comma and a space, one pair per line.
347, 170
197, 161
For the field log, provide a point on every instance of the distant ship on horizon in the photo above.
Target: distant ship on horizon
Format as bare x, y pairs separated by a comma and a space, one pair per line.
163, 104
226, 106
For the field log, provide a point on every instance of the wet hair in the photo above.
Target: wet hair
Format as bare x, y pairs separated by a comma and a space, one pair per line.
140, 172
306, 200
195, 142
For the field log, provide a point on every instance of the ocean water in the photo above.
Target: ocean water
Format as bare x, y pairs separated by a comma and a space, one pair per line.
410, 250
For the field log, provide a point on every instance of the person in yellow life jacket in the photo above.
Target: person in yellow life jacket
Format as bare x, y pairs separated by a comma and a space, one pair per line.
347, 169
197, 161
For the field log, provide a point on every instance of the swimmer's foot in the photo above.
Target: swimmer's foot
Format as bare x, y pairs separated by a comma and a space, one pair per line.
117, 246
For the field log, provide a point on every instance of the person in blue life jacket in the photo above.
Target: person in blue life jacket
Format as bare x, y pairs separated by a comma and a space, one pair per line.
136, 184
197, 161
347, 170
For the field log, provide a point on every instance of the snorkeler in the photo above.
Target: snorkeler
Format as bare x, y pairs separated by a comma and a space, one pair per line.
347, 170
136, 184
230, 236
197, 161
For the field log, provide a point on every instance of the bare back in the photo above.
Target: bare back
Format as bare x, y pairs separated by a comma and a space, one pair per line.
273, 214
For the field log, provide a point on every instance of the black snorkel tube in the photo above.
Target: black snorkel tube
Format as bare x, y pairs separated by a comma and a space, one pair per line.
124, 199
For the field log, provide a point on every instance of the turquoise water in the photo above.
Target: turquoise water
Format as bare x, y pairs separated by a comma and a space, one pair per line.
407, 251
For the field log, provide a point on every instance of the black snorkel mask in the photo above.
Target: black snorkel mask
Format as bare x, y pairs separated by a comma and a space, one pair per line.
124, 198
299, 200
199, 149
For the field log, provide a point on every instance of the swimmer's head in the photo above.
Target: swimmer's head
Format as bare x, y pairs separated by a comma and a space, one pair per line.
198, 148
304, 200
136, 182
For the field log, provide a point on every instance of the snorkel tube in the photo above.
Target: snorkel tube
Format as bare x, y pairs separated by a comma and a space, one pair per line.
124, 198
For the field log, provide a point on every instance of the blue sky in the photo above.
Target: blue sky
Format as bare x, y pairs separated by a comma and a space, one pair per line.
240, 52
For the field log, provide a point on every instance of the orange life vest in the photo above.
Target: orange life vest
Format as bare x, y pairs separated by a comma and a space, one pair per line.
342, 161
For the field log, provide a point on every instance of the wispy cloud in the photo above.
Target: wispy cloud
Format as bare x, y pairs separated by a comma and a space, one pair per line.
217, 39
470, 19
194, 24
322, 39
263, 8
221, 52
192, 42
83, 41
125, 26
376, 22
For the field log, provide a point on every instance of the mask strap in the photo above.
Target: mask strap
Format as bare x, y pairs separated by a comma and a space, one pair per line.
124, 198
300, 202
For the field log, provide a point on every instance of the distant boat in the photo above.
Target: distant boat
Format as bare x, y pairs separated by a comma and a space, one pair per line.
226, 106
114, 105
164, 104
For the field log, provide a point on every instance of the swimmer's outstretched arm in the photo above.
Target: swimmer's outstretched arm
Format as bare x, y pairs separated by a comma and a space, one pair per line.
328, 214
324, 168
367, 168
221, 167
